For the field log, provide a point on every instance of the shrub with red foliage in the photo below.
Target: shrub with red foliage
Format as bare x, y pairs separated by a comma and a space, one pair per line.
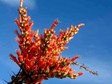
39, 55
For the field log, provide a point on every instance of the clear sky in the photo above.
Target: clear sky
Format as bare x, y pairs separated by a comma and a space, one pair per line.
93, 42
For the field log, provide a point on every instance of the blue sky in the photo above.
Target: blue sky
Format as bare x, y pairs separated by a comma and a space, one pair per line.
92, 43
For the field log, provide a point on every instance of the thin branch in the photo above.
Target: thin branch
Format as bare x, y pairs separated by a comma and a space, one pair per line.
86, 68
15, 78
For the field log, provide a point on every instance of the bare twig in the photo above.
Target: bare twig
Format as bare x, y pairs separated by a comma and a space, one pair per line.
86, 68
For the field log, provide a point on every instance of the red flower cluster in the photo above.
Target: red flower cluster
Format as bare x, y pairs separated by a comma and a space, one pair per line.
39, 55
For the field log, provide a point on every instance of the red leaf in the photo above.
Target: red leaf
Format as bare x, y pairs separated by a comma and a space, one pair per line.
74, 58
14, 59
